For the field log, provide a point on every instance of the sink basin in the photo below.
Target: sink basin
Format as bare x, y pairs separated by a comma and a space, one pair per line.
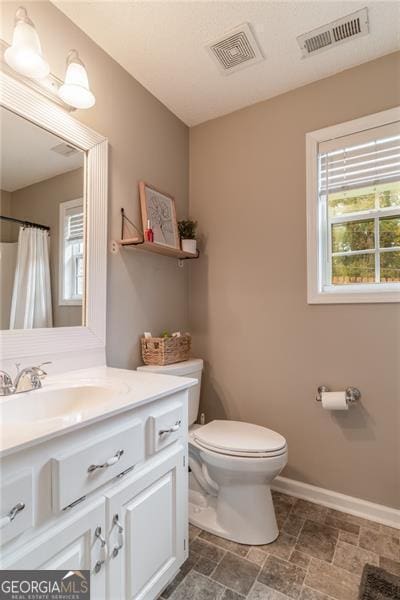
69, 402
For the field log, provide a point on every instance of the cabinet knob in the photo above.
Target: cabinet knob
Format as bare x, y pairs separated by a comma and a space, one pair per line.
108, 463
10, 516
98, 565
120, 544
103, 548
170, 429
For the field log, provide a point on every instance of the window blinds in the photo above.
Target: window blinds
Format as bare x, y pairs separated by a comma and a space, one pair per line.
75, 226
372, 159
74, 223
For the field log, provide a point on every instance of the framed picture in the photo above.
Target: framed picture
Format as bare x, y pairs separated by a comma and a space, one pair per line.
159, 208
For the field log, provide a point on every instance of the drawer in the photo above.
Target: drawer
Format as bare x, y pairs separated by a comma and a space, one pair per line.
164, 427
16, 513
80, 471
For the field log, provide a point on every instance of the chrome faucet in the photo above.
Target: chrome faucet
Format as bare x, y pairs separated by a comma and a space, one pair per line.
6, 384
30, 378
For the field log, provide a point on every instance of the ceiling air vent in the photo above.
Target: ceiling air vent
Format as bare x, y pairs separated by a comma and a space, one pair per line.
65, 149
235, 50
337, 32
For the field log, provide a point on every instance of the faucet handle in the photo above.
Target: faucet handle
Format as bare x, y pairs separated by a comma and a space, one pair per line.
6, 384
5, 379
39, 371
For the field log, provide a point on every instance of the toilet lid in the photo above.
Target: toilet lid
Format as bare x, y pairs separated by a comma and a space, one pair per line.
239, 438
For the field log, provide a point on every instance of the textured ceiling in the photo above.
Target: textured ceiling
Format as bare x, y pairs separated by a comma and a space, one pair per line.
162, 44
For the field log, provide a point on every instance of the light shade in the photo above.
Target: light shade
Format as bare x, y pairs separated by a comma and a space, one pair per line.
75, 91
25, 53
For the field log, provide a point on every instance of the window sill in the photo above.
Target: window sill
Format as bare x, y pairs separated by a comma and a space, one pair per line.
70, 303
352, 294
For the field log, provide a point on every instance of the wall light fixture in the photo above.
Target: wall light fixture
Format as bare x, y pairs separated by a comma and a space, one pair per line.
75, 90
25, 53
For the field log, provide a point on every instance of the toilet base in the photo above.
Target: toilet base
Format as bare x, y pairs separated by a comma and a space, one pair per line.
203, 513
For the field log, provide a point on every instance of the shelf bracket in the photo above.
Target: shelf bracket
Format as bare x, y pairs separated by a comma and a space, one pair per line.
180, 260
125, 218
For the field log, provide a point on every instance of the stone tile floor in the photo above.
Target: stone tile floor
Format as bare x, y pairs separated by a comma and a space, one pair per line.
319, 555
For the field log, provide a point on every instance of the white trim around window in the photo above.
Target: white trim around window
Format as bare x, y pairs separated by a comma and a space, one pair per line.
318, 238
65, 297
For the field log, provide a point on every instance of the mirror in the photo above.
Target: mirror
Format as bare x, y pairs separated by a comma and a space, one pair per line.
42, 227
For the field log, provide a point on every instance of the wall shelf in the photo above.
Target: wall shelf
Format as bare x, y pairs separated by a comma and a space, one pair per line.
157, 248
154, 247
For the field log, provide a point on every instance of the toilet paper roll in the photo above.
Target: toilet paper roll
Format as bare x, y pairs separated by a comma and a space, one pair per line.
334, 401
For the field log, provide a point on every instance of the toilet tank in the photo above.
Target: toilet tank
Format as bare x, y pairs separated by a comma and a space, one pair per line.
188, 368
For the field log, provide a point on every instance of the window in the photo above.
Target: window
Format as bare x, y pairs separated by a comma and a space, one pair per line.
72, 263
353, 204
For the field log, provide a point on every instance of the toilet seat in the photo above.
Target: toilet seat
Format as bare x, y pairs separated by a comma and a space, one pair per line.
240, 455
235, 438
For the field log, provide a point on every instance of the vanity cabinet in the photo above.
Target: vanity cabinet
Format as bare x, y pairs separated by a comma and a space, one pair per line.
109, 497
147, 521
74, 544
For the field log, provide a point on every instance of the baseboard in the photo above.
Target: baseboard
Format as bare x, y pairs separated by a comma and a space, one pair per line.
354, 506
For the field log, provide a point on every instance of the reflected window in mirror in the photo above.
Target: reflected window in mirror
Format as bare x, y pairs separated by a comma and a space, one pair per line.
42, 227
72, 265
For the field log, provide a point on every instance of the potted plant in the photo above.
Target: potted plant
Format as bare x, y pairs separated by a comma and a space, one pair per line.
187, 232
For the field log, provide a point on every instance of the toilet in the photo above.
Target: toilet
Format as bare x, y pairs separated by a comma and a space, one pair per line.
232, 465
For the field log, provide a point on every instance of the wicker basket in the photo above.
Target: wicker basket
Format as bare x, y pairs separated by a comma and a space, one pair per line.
165, 351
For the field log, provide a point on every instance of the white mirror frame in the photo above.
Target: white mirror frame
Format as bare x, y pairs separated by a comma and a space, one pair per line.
20, 343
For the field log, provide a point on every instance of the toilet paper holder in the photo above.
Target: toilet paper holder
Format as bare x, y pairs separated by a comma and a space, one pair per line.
353, 394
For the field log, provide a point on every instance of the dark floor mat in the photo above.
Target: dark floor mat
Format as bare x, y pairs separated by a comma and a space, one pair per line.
378, 584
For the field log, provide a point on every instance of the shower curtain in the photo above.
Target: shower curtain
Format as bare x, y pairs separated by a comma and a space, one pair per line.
31, 299
8, 260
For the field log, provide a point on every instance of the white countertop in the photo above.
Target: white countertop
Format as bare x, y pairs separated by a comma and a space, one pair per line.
133, 389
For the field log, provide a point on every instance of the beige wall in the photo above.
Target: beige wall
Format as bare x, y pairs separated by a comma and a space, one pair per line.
40, 203
145, 292
7, 230
266, 349
8, 254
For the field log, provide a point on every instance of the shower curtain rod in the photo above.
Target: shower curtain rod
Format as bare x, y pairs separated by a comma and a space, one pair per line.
25, 223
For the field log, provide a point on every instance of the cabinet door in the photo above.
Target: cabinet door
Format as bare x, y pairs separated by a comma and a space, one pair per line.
71, 545
147, 515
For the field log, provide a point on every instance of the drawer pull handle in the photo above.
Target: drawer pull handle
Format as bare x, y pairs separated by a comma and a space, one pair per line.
109, 463
120, 545
170, 429
9, 517
103, 543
